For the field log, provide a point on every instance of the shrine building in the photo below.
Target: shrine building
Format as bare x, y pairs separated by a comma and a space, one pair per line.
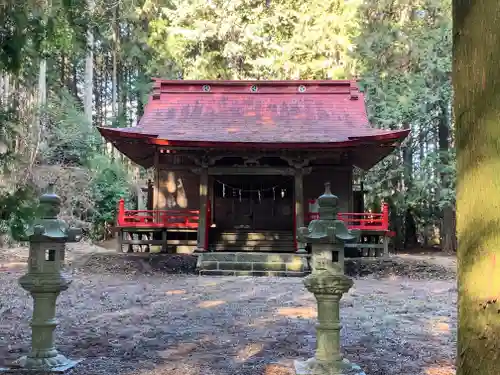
238, 164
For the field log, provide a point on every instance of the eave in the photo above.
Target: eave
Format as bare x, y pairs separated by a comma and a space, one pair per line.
140, 148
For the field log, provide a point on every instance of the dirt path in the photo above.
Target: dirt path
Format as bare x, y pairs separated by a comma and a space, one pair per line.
77, 255
129, 323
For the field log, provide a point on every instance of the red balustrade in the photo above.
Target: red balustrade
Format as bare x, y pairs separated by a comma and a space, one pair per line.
188, 219
362, 221
175, 218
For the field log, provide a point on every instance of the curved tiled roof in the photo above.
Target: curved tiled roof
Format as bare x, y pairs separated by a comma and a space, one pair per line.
256, 112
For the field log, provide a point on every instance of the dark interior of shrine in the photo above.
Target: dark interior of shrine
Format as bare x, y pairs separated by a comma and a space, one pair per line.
253, 202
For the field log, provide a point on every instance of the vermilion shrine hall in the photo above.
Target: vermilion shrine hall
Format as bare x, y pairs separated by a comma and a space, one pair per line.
239, 163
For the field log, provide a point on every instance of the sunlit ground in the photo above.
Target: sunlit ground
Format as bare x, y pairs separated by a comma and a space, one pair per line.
183, 325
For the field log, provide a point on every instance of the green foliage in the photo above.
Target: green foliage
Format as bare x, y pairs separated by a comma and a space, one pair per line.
70, 139
247, 39
32, 25
9, 129
404, 59
17, 211
401, 50
110, 183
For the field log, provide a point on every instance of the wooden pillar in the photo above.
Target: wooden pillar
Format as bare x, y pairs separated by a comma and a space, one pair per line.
203, 210
350, 203
156, 200
119, 240
211, 198
149, 203
299, 206
386, 246
156, 189
164, 242
119, 222
362, 195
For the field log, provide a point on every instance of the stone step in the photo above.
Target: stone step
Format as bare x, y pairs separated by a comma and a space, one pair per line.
254, 242
253, 264
252, 237
182, 242
251, 257
253, 273
256, 231
266, 248
244, 242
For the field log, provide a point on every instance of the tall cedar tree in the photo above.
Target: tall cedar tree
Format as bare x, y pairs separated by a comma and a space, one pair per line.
476, 80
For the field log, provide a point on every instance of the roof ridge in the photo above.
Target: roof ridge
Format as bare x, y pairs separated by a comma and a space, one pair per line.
242, 87
346, 82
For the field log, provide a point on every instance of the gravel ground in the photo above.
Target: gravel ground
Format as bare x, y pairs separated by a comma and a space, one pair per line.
133, 316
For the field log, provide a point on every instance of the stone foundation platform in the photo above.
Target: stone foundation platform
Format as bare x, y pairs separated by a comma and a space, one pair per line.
253, 264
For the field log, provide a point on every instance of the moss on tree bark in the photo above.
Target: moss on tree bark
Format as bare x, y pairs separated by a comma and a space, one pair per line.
476, 80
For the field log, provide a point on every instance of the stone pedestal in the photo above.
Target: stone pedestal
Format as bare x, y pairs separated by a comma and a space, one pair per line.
309, 367
44, 355
328, 287
328, 284
45, 280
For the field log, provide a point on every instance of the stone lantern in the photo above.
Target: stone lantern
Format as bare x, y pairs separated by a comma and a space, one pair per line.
44, 280
328, 283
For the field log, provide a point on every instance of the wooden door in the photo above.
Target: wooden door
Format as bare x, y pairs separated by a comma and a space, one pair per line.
247, 204
273, 214
242, 213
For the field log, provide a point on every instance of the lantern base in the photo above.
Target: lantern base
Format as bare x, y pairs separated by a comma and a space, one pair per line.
315, 367
55, 365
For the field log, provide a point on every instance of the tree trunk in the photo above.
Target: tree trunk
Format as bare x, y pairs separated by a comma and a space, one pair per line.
447, 227
395, 218
72, 83
140, 105
116, 43
410, 230
407, 161
105, 86
421, 145
97, 90
39, 123
62, 70
117, 77
476, 81
396, 225
89, 69
42, 88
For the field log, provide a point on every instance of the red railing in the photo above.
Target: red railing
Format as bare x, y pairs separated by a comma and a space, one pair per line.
176, 218
188, 219
362, 221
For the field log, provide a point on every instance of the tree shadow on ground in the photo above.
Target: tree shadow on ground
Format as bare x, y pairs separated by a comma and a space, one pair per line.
183, 325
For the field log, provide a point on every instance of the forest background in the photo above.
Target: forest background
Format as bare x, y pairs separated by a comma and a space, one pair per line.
67, 66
